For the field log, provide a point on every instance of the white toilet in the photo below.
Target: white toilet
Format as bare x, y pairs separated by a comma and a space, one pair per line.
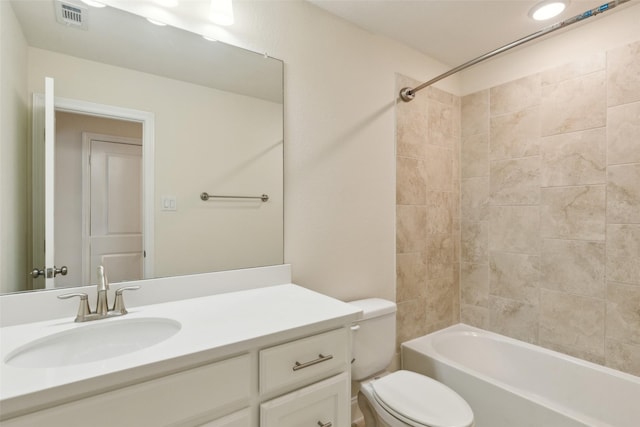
401, 398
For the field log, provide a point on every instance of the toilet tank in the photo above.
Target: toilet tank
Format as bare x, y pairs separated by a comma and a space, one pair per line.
373, 337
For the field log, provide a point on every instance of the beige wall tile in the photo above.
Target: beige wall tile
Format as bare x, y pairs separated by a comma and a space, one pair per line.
514, 229
444, 124
576, 158
439, 95
623, 253
515, 182
438, 163
410, 182
474, 199
475, 316
515, 134
474, 158
623, 193
515, 319
587, 65
474, 242
623, 74
574, 266
440, 207
515, 96
572, 351
439, 255
622, 356
410, 276
475, 113
411, 320
623, 313
411, 222
623, 134
573, 105
474, 284
440, 294
573, 212
514, 276
574, 322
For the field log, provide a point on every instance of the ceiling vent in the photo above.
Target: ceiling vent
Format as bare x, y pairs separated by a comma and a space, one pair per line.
71, 15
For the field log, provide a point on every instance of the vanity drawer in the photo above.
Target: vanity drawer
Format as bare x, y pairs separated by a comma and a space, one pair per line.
300, 362
211, 390
324, 403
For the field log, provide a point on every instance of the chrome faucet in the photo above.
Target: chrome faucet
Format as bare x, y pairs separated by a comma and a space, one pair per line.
102, 304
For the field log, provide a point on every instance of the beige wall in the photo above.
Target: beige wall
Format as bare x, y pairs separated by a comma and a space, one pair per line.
428, 220
551, 208
14, 216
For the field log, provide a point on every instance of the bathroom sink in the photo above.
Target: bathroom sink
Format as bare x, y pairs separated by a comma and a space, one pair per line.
93, 342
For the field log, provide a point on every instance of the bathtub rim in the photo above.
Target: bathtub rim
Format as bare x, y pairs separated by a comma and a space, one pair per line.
424, 345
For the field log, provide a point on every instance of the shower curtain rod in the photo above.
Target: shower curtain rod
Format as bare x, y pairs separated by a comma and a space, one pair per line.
407, 93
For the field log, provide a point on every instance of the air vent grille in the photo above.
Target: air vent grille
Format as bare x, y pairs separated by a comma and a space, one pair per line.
71, 15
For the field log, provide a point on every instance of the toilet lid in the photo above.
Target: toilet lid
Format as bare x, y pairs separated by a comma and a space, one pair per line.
422, 401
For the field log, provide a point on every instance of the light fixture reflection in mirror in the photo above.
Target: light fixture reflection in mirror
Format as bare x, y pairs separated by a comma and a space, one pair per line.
218, 128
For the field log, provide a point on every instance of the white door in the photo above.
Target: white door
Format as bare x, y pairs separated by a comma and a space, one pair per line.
115, 236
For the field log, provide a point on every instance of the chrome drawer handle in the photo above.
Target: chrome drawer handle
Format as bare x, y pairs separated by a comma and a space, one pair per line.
320, 359
325, 425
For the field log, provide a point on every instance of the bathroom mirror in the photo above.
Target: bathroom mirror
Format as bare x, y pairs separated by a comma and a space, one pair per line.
147, 118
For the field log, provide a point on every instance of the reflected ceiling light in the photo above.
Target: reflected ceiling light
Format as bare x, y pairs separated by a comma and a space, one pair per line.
93, 3
548, 9
156, 22
221, 12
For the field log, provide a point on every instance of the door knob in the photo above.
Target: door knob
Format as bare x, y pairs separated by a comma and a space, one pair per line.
35, 273
53, 272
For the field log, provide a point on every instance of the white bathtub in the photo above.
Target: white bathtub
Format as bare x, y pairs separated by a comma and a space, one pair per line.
509, 383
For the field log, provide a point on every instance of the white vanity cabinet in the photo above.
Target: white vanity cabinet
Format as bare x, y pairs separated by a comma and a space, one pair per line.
241, 359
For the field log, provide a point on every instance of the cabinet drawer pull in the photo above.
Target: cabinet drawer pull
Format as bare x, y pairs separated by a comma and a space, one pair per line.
320, 359
324, 425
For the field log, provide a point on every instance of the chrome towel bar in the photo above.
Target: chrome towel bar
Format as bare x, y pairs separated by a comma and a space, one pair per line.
206, 196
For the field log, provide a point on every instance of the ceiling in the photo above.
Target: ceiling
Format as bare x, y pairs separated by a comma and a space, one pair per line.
450, 31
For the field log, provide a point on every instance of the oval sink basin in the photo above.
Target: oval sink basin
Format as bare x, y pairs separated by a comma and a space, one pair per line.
93, 342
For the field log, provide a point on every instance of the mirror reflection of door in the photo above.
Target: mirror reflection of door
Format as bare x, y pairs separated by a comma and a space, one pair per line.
99, 185
115, 205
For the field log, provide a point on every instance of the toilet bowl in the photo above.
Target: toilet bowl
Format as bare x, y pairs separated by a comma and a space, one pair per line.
405, 398
401, 398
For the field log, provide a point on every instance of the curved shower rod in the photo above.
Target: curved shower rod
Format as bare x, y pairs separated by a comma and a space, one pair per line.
407, 94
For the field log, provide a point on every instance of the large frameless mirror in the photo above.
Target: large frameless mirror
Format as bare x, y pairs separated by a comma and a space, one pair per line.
109, 166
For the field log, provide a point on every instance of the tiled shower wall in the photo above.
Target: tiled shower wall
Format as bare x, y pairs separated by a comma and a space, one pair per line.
550, 202
427, 203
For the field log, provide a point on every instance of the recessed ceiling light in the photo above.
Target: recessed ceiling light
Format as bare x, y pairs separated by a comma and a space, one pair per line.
93, 3
547, 9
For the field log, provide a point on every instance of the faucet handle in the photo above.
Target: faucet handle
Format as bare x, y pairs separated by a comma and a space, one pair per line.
83, 308
118, 304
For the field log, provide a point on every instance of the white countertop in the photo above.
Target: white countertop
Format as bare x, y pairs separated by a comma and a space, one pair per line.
213, 327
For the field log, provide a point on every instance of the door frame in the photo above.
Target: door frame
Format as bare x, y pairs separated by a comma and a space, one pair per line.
87, 137
147, 119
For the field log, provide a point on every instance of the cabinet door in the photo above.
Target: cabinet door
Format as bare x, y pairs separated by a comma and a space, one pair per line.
237, 419
322, 404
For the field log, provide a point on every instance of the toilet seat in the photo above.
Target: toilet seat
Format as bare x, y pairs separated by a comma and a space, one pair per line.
420, 401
